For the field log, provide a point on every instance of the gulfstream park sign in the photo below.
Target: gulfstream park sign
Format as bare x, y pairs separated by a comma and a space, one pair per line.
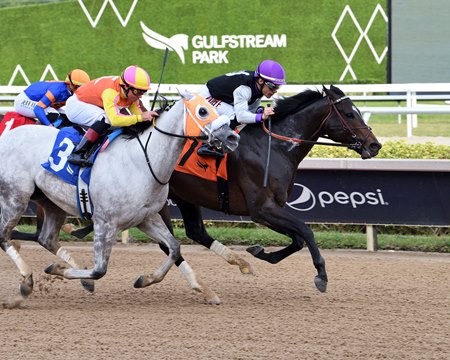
211, 49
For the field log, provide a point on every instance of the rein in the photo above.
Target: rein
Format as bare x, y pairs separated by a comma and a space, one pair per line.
144, 148
304, 141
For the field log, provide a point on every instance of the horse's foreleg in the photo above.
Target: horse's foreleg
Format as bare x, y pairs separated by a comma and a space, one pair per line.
196, 284
276, 256
195, 230
155, 228
281, 221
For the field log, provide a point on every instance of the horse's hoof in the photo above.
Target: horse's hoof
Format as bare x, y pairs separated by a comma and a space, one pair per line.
55, 269
321, 284
246, 270
255, 249
210, 296
68, 228
79, 234
142, 281
88, 285
213, 300
26, 286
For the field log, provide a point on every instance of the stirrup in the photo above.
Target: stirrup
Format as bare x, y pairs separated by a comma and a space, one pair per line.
78, 159
206, 150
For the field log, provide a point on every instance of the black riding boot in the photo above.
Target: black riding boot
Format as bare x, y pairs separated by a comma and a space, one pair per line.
81, 155
208, 150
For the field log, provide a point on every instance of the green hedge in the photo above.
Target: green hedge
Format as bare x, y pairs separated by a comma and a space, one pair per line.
390, 150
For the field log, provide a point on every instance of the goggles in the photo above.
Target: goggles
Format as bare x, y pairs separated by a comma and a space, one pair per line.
272, 86
137, 92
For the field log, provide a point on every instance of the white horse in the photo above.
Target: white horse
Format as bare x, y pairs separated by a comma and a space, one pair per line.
128, 188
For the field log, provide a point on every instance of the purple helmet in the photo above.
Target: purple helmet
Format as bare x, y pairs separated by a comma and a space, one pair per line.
271, 71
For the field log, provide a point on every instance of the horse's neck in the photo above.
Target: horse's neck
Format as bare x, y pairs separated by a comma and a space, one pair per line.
164, 150
302, 125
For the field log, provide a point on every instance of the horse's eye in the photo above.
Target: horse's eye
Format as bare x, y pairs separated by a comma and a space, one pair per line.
350, 115
202, 112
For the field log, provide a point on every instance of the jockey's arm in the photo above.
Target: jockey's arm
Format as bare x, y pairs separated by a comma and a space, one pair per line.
245, 113
39, 110
110, 100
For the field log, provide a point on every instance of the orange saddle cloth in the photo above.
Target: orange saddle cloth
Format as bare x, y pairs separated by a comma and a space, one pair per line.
205, 167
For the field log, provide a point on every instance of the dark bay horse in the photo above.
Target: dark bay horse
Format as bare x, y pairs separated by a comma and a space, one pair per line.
297, 125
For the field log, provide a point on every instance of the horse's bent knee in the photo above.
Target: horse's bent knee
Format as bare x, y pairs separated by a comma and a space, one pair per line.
176, 253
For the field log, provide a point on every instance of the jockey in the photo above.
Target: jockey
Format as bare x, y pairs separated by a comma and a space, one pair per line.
43, 99
98, 105
238, 95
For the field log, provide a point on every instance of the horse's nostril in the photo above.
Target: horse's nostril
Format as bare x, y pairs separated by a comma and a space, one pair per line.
374, 147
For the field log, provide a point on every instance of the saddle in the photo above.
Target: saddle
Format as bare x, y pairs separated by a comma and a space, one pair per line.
73, 174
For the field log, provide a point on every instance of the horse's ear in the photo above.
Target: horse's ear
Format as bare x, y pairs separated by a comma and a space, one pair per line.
325, 90
185, 94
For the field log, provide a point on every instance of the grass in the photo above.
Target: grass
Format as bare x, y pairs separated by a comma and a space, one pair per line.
249, 234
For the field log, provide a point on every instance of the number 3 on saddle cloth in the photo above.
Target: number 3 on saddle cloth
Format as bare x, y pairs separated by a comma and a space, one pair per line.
208, 168
12, 120
57, 164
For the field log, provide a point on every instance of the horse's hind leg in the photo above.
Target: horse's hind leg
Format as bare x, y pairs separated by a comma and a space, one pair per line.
49, 238
9, 218
18, 235
195, 230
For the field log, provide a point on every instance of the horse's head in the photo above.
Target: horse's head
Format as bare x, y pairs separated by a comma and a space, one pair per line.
345, 124
204, 123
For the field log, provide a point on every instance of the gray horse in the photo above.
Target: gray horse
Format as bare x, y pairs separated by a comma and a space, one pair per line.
128, 189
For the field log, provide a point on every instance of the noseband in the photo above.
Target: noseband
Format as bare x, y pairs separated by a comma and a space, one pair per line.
319, 131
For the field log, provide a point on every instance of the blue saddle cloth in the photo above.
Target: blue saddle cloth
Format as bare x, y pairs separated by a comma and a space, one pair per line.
65, 142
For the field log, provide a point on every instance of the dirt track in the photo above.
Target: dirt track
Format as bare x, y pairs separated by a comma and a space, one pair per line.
378, 306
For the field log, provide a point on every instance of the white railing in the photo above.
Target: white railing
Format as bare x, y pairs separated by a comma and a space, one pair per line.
410, 94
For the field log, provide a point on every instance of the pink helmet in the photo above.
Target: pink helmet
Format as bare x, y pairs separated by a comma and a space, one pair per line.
272, 71
136, 77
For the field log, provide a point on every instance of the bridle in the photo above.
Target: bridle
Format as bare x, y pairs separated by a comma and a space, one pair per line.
188, 137
346, 127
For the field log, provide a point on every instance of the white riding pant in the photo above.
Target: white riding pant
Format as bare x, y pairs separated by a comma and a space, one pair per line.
25, 106
82, 113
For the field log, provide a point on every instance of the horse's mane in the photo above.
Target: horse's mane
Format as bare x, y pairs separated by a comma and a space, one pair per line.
132, 131
293, 104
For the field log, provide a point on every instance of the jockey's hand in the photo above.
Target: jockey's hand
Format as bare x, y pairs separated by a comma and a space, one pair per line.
268, 111
149, 115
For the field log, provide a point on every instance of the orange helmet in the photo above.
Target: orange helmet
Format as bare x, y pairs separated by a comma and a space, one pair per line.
77, 77
135, 77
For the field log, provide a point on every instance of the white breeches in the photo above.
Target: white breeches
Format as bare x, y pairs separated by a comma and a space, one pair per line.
24, 106
83, 113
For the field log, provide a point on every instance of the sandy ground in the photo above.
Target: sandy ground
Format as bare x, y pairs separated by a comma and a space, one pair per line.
384, 305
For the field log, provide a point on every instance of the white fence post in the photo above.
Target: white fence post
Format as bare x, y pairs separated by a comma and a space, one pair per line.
372, 240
